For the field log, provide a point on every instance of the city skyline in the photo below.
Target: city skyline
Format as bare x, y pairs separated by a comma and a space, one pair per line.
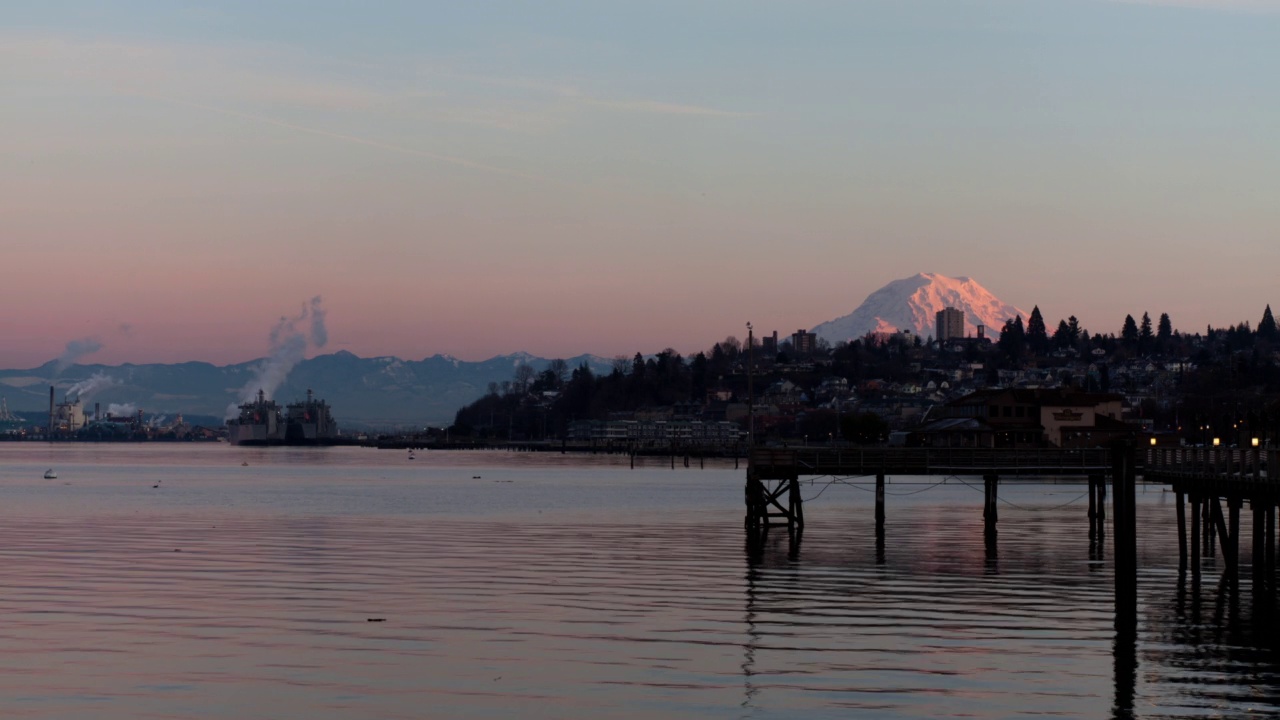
569, 179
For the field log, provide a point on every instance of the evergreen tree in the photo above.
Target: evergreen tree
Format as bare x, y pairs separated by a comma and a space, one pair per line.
1129, 333
1062, 336
1037, 335
1164, 330
1145, 335
1267, 329
1013, 337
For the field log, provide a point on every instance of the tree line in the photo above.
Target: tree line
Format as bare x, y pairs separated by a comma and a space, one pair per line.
1231, 371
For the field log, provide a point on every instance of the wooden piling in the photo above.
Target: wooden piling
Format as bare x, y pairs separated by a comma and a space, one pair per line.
1210, 527
1102, 503
1182, 531
1220, 526
1258, 556
1196, 514
990, 514
1270, 541
879, 505
1233, 505
1093, 506
756, 507
1125, 531
796, 503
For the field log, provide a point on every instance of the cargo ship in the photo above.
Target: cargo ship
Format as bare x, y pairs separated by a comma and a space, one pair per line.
261, 422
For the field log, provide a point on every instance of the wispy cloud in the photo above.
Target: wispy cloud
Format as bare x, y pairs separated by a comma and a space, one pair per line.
1263, 6
662, 108
222, 74
355, 139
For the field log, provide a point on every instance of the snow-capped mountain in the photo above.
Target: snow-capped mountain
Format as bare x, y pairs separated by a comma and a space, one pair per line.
912, 304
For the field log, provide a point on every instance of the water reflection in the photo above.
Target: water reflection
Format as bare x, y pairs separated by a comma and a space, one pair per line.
966, 627
589, 592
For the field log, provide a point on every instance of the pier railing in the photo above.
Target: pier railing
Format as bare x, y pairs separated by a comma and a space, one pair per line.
1248, 465
781, 463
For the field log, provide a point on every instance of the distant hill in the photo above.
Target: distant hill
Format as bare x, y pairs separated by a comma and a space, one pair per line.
379, 392
912, 304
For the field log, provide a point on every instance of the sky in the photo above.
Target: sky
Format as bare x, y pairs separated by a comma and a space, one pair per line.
567, 177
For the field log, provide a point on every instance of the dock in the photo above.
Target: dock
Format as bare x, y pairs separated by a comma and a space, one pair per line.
1211, 487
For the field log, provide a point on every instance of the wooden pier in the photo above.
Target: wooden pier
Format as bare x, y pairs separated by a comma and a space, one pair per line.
1205, 478
1202, 478
773, 473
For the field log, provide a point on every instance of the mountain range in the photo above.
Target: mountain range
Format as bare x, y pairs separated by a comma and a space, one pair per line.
379, 392
912, 304
388, 392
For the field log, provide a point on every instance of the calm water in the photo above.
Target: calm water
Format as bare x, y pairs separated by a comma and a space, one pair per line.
541, 586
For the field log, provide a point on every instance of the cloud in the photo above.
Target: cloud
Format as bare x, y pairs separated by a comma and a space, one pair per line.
1259, 6
390, 147
75, 350
663, 108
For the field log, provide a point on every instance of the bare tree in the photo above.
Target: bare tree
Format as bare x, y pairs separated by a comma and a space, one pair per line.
621, 364
559, 370
523, 378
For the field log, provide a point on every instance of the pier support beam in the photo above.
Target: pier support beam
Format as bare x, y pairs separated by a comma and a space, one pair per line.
1196, 514
1233, 538
1270, 540
990, 513
1210, 527
1259, 554
1097, 506
756, 505
796, 504
1182, 530
1220, 525
880, 506
1123, 480
765, 506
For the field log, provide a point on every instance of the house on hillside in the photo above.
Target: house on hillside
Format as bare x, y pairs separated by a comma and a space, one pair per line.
1025, 417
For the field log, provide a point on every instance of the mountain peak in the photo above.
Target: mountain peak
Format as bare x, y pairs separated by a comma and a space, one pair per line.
912, 304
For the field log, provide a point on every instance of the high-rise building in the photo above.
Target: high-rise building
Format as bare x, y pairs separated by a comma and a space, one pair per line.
769, 344
804, 343
950, 324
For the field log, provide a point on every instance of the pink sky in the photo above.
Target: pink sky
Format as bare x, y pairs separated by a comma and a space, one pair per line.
613, 182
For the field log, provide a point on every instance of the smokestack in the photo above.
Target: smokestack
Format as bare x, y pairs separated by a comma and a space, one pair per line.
50, 409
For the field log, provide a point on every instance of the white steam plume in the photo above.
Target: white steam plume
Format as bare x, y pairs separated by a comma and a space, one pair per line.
289, 342
319, 334
122, 410
86, 389
75, 350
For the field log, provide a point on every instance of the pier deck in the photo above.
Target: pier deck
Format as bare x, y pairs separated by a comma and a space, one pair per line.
788, 463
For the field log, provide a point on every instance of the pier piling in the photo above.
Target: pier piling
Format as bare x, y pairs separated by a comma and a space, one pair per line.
1196, 514
1182, 530
880, 506
990, 514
